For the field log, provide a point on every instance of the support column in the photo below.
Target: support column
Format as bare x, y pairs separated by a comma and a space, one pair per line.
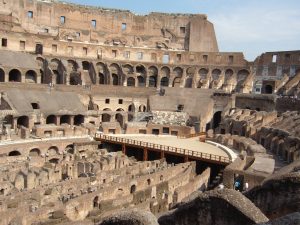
186, 158
124, 149
145, 158
162, 155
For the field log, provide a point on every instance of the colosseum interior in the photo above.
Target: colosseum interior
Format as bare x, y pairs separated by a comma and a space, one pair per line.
107, 117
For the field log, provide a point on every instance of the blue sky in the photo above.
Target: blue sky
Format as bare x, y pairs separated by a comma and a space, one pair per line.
249, 26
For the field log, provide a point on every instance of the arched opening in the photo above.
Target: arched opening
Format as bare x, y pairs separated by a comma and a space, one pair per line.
65, 119
35, 152
268, 89
106, 117
216, 74
52, 119
14, 76
9, 119
142, 108
217, 119
164, 82
178, 76
152, 81
23, 121
153, 73
176, 82
14, 153
30, 77
228, 74
203, 73
96, 202
2, 75
78, 120
85, 65
132, 189
115, 79
75, 79
141, 81
131, 108
130, 82
69, 149
53, 150
119, 118
189, 82
101, 78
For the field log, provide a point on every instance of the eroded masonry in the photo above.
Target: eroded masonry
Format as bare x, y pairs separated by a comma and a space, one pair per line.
107, 117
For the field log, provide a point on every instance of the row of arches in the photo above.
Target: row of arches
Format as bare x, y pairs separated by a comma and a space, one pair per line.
15, 75
138, 75
49, 152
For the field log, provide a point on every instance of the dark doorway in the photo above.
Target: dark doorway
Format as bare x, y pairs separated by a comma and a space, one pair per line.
39, 49
268, 89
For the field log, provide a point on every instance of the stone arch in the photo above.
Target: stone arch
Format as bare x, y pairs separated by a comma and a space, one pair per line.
52, 151
131, 108
106, 117
190, 72
228, 74
72, 65
78, 120
65, 119
107, 109
217, 119
69, 149
54, 161
115, 79
14, 153
141, 74
242, 76
51, 119
35, 152
130, 82
23, 121
103, 74
128, 69
165, 71
2, 75
96, 202
132, 189
120, 110
86, 65
153, 74
116, 74
119, 118
203, 73
14, 76
142, 108
30, 76
216, 74
178, 73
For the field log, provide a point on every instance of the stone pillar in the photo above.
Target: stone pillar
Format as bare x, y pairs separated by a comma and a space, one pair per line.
162, 155
183, 79
124, 149
145, 158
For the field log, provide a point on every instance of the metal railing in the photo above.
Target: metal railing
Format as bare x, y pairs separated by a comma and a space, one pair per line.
165, 148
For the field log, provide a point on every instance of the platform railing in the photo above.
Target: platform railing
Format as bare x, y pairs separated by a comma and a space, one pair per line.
165, 148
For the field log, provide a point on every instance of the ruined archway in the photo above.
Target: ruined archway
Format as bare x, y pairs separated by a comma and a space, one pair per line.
35, 152
106, 117
14, 153
119, 118
65, 119
164, 82
14, 76
30, 77
23, 121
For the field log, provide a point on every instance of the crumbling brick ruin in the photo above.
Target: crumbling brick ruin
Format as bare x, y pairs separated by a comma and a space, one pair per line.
107, 117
